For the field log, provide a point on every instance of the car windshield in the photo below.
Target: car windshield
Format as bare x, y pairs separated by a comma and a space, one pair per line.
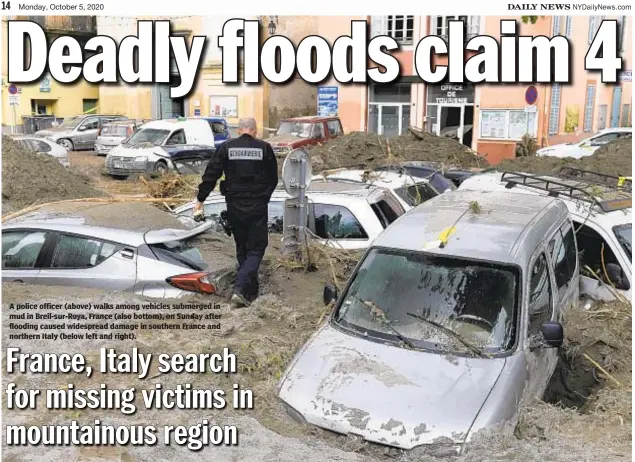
179, 253
151, 136
70, 122
114, 130
442, 304
301, 129
624, 234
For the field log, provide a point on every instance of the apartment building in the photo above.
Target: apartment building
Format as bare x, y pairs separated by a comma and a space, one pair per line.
46, 97
490, 119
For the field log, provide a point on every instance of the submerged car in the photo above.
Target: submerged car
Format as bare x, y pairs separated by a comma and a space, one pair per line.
449, 323
602, 216
587, 146
114, 133
440, 176
77, 132
43, 146
156, 263
341, 215
157, 144
300, 132
409, 190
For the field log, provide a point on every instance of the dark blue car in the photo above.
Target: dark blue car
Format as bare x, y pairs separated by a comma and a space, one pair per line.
220, 128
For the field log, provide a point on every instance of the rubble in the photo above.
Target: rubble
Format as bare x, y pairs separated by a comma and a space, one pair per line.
28, 178
368, 150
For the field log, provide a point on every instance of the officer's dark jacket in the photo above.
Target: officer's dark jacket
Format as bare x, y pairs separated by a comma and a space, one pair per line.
250, 167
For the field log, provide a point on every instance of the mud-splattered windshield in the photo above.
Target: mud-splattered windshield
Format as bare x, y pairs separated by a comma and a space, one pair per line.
624, 235
148, 136
409, 292
301, 129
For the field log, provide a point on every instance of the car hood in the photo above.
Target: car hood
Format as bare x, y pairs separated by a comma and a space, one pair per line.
124, 150
161, 236
386, 394
284, 140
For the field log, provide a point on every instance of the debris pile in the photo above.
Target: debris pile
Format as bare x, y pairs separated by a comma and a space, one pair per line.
615, 158
29, 178
368, 150
172, 185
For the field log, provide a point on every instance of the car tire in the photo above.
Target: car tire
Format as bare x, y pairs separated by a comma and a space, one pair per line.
66, 144
160, 168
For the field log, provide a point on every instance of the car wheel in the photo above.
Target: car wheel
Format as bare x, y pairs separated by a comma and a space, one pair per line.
66, 144
160, 168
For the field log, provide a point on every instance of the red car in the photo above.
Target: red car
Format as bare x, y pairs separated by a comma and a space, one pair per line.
304, 131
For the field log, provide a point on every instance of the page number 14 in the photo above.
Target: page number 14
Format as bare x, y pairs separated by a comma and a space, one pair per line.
6, 6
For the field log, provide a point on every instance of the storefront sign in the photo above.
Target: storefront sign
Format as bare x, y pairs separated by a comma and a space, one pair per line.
531, 95
626, 76
451, 94
327, 101
530, 109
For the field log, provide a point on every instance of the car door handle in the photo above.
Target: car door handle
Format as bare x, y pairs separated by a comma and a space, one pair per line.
127, 253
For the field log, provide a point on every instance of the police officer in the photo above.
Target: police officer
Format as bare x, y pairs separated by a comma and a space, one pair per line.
251, 176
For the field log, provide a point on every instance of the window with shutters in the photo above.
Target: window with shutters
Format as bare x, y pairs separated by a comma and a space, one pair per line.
568, 26
594, 24
556, 26
471, 25
554, 109
588, 108
401, 28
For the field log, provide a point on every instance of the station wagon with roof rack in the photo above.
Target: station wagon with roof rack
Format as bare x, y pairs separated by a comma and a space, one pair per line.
448, 325
600, 206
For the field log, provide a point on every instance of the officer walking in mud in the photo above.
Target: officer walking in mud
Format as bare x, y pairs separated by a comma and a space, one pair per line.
251, 176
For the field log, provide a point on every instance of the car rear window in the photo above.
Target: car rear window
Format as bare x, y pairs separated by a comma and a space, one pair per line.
179, 253
115, 130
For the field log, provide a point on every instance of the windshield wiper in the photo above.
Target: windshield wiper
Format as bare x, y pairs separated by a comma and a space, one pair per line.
451, 333
379, 314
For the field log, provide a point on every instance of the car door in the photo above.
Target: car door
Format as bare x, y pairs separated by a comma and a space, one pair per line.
84, 261
22, 253
540, 309
563, 253
87, 133
337, 226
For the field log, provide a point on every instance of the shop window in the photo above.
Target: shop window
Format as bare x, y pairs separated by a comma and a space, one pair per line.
89, 106
625, 121
508, 124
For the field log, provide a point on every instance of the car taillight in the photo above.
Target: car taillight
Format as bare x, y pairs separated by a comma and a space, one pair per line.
193, 282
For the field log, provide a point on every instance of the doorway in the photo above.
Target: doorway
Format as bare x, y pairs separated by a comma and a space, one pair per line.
164, 107
389, 109
454, 121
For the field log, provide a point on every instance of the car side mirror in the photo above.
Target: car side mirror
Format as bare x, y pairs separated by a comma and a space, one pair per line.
617, 277
552, 334
330, 294
81, 128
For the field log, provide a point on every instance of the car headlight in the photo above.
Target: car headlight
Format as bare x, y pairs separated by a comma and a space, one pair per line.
141, 159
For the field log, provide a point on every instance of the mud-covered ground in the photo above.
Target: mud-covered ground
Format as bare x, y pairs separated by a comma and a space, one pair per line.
593, 421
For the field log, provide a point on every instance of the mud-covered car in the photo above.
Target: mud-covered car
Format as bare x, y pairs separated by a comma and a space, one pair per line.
449, 323
302, 132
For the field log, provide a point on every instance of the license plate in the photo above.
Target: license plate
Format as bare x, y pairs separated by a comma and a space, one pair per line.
119, 165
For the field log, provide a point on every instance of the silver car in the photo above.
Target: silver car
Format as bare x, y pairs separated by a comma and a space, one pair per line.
43, 146
77, 132
158, 263
448, 324
114, 133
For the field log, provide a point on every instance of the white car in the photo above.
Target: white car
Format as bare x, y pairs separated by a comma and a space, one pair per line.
587, 146
342, 215
410, 191
604, 224
44, 146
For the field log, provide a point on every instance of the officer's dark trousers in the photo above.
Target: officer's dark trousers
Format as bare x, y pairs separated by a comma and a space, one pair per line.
248, 221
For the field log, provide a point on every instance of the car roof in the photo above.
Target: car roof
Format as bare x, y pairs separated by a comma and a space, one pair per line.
384, 179
309, 119
212, 118
493, 181
505, 229
169, 124
123, 122
615, 129
121, 236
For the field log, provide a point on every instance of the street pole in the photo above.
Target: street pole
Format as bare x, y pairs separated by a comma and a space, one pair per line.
296, 174
15, 120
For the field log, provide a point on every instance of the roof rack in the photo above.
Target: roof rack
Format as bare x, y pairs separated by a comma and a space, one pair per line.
557, 187
591, 177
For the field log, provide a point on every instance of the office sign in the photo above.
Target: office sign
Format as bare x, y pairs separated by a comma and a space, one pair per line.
626, 76
451, 94
327, 101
